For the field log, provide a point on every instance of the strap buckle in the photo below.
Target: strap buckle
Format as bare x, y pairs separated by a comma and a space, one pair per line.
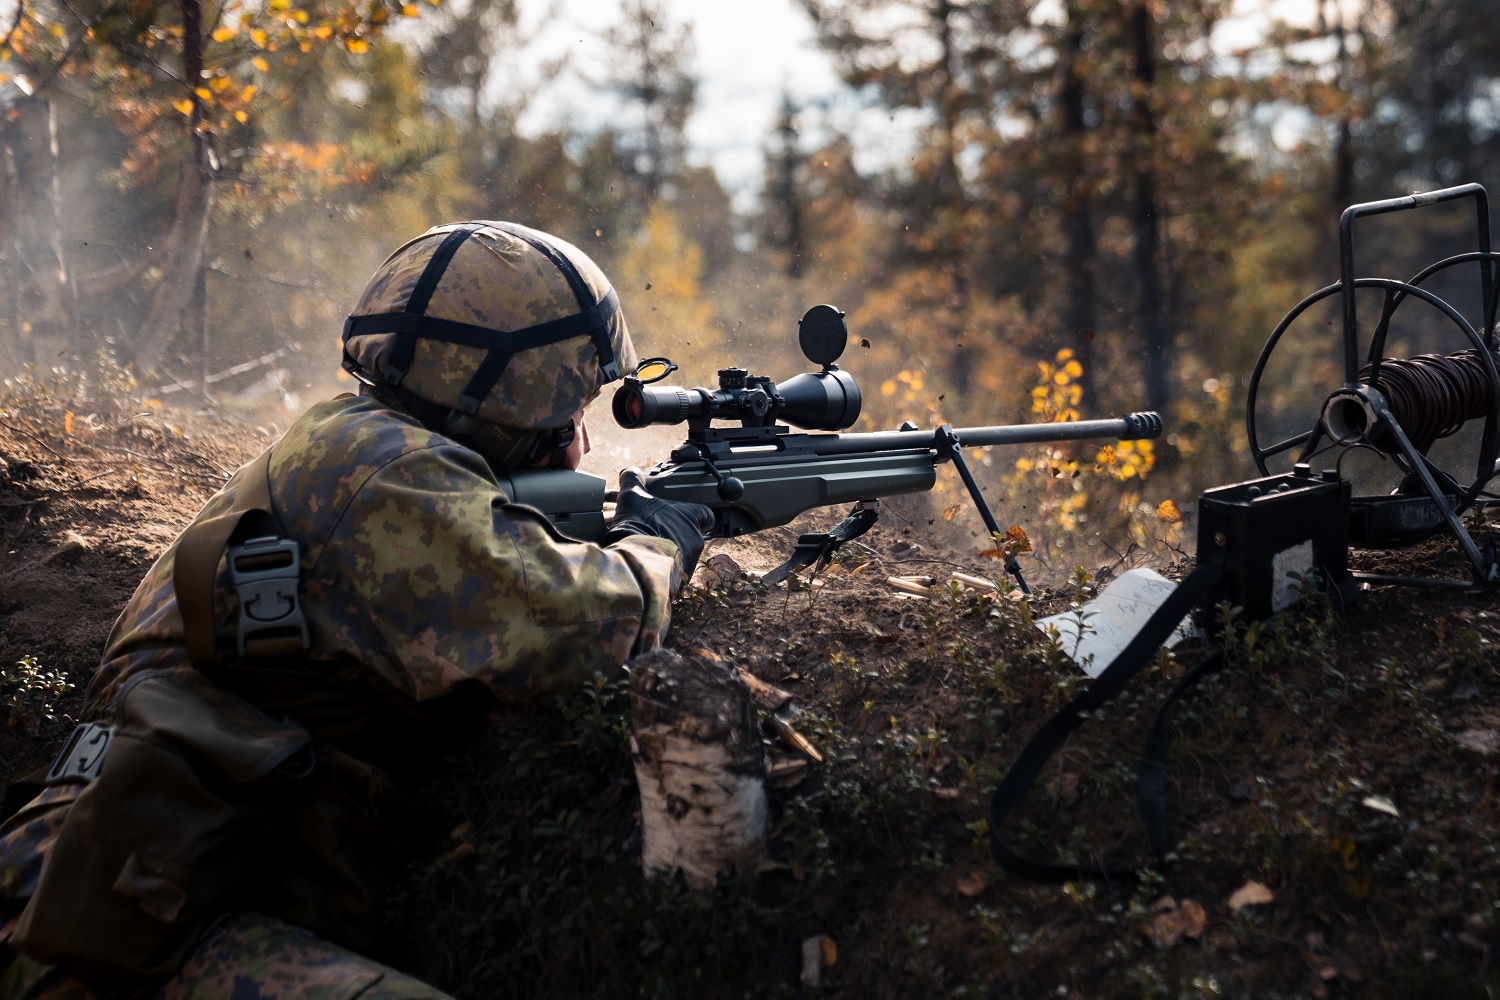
265, 572
82, 756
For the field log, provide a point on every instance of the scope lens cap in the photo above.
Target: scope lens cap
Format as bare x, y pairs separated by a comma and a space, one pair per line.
823, 334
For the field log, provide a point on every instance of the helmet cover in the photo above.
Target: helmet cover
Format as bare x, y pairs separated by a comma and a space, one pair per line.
490, 320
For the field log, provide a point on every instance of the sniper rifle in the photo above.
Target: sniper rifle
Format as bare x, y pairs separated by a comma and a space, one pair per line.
761, 473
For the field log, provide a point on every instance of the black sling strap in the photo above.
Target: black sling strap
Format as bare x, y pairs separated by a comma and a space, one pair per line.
1151, 787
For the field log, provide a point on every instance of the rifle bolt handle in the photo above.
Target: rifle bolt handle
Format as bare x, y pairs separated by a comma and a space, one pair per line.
731, 489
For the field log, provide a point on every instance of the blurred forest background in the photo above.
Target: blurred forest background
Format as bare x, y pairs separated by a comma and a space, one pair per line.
1097, 208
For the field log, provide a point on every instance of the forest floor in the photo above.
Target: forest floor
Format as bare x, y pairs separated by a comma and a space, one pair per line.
1340, 774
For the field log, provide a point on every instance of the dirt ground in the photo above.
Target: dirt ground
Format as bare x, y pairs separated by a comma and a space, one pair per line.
1341, 771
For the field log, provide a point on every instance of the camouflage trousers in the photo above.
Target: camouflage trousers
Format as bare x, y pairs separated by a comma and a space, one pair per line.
243, 957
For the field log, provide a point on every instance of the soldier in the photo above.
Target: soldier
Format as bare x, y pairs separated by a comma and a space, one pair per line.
226, 822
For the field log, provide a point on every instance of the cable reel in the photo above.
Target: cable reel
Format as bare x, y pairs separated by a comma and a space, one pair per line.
1399, 408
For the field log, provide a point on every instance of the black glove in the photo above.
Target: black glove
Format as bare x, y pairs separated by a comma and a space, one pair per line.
639, 513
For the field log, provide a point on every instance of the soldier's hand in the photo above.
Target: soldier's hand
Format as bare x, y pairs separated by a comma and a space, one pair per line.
639, 513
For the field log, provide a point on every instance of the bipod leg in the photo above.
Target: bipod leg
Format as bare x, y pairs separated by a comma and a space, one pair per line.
951, 448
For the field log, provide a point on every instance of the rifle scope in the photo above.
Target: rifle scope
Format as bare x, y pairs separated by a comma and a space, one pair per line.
828, 400
814, 401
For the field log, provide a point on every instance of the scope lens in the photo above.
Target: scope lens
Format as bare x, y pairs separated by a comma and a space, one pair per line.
637, 405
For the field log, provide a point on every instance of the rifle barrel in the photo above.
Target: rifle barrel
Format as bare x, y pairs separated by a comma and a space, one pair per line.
1131, 427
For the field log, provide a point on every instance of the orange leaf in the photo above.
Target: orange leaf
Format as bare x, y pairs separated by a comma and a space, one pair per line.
1168, 511
68, 422
952, 511
357, 45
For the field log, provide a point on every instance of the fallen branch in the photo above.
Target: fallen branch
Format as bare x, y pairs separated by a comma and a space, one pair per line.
238, 369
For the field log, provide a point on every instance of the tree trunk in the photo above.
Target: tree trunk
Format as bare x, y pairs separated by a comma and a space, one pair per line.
1079, 261
1155, 336
42, 292
700, 767
186, 242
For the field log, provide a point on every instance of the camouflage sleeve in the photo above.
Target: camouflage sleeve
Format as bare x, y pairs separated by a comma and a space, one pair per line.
461, 586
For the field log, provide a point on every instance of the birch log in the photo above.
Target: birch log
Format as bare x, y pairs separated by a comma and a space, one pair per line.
700, 767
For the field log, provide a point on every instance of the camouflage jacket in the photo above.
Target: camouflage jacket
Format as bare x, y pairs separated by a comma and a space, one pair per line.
415, 566
415, 569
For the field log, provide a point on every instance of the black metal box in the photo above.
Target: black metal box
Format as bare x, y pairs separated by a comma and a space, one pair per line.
1271, 533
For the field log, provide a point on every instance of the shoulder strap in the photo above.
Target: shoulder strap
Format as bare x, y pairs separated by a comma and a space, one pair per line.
196, 564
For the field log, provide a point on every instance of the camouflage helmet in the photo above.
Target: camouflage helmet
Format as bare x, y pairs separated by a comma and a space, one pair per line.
489, 332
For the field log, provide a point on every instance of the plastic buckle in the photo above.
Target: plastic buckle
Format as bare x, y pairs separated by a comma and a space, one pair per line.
265, 573
82, 756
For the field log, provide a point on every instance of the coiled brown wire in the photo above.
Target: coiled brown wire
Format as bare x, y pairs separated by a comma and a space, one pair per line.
1433, 395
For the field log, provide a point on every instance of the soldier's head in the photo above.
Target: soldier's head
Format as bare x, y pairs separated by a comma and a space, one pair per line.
491, 333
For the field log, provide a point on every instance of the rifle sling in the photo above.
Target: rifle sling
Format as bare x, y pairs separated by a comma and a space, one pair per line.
195, 567
1151, 781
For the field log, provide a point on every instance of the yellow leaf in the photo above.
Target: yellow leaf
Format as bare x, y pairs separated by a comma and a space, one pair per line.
1060, 378
1064, 355
248, 92
219, 84
183, 106
323, 32
223, 34
305, 46
433, 2
279, 4
888, 387
1167, 511
952, 511
357, 45
409, 10
1107, 455
1073, 368
68, 422
258, 36
203, 93
241, 117
260, 64
300, 16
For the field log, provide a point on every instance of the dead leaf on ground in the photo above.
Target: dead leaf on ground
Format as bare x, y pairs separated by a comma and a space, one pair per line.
972, 884
1252, 893
1175, 921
